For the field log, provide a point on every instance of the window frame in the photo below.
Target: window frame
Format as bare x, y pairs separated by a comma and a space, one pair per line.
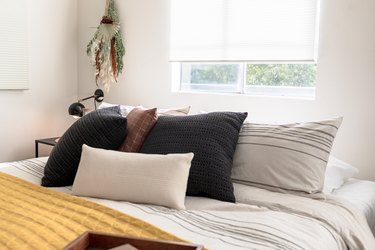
177, 59
242, 88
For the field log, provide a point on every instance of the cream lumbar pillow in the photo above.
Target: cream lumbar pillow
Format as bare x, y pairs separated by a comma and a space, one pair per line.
139, 178
292, 157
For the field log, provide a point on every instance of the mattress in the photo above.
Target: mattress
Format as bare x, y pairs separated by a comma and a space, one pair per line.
222, 225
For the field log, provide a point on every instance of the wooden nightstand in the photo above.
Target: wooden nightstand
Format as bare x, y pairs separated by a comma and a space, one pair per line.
47, 141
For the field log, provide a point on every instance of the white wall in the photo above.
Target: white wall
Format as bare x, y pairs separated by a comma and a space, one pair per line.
41, 111
345, 84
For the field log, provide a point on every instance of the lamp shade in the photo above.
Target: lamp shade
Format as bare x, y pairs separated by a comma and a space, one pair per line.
76, 109
99, 95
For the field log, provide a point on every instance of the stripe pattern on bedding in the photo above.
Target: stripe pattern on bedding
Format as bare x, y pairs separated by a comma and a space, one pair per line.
289, 156
34, 167
240, 226
226, 230
262, 220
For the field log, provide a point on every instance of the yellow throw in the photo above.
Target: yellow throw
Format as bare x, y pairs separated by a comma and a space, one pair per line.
34, 217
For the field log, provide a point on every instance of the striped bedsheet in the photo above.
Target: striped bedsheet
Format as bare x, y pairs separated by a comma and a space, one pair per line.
263, 219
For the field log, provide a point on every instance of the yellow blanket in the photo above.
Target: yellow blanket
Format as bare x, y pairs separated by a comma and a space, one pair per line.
33, 217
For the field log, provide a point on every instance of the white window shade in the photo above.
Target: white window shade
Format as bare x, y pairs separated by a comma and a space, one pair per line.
13, 45
243, 30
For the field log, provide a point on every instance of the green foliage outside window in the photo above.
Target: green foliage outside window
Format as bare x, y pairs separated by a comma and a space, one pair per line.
297, 75
214, 73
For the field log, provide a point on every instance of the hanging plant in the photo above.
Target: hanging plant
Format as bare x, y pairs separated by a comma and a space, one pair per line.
106, 50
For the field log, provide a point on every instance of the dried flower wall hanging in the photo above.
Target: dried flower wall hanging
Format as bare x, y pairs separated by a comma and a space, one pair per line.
106, 50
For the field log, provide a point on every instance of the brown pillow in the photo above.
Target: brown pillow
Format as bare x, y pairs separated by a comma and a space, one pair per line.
140, 123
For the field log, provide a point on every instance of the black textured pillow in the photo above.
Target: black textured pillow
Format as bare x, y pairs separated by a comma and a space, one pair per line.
212, 138
104, 128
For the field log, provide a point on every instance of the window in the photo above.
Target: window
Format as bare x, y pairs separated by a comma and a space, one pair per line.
248, 78
245, 46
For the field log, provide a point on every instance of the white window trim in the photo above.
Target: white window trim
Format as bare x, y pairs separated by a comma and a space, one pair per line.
258, 90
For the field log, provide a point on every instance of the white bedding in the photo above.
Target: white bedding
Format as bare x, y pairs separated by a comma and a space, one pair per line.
362, 194
290, 220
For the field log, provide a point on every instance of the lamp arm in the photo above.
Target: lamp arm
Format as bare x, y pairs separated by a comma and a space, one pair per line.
98, 95
78, 109
84, 99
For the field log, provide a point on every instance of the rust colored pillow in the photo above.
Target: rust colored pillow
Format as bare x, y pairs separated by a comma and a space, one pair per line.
140, 123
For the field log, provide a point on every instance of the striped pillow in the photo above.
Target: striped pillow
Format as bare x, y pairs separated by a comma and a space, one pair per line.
125, 109
291, 157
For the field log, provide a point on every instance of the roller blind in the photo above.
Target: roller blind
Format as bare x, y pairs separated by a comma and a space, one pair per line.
13, 45
243, 30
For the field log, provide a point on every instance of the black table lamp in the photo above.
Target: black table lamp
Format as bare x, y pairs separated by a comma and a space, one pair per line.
77, 109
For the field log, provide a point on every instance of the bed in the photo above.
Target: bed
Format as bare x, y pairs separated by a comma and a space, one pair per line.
260, 219
211, 179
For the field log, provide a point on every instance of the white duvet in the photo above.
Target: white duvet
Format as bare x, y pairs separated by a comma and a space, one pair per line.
362, 194
260, 220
